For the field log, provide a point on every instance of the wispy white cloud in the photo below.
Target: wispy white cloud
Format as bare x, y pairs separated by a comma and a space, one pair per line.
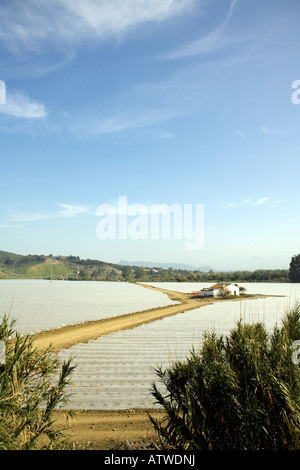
241, 133
214, 41
64, 211
206, 45
21, 106
266, 130
269, 131
263, 201
166, 135
123, 121
106, 18
144, 105
40, 37
73, 210
37, 65
30, 25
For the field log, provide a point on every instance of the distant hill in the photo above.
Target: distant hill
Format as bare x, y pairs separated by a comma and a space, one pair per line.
150, 264
14, 266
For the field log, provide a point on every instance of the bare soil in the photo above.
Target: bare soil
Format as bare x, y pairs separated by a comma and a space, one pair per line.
108, 430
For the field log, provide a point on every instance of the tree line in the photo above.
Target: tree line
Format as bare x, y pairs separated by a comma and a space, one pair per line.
91, 269
178, 275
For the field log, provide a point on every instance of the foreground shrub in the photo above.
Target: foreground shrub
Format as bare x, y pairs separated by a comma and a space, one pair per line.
240, 392
30, 391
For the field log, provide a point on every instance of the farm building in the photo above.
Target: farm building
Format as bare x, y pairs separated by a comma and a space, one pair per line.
218, 288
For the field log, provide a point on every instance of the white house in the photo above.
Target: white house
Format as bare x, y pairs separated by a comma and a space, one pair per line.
216, 289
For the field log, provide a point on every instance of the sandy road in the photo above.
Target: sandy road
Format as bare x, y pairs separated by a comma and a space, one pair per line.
105, 429
71, 335
82, 333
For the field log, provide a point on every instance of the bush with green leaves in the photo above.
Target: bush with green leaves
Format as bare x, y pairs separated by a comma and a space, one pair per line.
32, 388
294, 270
240, 392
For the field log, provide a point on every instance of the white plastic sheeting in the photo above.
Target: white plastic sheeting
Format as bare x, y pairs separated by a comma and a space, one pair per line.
116, 371
41, 305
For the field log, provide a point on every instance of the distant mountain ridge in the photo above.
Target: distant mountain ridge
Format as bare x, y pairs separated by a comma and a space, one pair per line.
150, 264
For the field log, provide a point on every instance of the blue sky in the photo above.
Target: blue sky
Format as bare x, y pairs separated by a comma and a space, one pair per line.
162, 101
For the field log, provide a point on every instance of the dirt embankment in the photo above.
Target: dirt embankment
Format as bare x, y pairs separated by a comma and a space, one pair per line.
71, 335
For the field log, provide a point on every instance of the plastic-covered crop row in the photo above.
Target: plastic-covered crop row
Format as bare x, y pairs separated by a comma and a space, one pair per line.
116, 371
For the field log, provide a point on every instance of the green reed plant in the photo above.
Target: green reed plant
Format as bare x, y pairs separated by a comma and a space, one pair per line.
239, 392
32, 388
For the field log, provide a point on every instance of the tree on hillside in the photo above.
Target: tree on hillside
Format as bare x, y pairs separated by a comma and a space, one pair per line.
126, 271
140, 273
294, 272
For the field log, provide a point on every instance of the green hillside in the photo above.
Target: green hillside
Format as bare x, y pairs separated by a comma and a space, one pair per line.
14, 266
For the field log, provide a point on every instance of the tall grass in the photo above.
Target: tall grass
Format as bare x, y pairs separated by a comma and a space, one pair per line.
239, 392
32, 387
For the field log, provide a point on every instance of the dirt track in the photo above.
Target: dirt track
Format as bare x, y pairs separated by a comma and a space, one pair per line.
70, 335
106, 430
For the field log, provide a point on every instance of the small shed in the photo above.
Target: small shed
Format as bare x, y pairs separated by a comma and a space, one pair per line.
216, 290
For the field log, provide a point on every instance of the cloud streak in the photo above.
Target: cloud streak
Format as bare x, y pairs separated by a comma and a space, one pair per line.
269, 131
65, 211
21, 106
124, 121
214, 41
30, 25
249, 202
